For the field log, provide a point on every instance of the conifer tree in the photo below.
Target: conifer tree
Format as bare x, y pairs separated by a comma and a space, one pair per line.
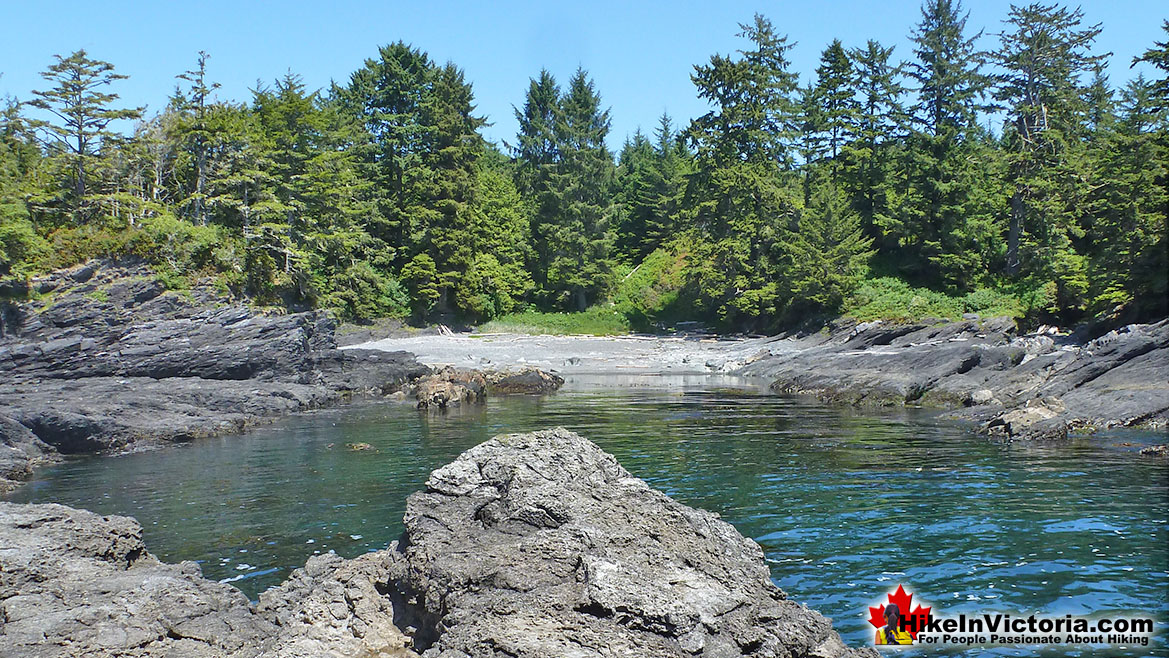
869, 168
192, 106
827, 255
738, 196
940, 230
574, 228
1043, 55
84, 113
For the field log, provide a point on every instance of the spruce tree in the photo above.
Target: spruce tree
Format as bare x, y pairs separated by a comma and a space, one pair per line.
84, 113
574, 228
869, 168
741, 197
941, 231
1044, 54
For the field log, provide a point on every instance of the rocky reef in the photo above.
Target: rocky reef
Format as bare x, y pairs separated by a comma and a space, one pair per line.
526, 546
452, 387
104, 359
1021, 386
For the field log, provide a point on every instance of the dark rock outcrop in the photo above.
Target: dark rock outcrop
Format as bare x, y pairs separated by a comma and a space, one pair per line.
535, 545
20, 452
107, 360
1033, 386
529, 381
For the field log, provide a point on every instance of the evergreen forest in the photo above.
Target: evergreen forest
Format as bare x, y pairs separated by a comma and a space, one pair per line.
991, 174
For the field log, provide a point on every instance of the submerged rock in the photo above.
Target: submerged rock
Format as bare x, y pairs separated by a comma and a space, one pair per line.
535, 545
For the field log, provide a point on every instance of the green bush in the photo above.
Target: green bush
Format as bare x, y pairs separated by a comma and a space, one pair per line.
656, 290
888, 298
603, 320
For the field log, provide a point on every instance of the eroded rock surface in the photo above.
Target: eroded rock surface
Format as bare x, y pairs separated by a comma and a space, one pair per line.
75, 584
107, 360
1032, 386
453, 387
541, 545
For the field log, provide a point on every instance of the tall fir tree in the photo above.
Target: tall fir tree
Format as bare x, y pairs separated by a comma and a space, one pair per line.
741, 197
869, 168
941, 231
84, 113
574, 231
1044, 55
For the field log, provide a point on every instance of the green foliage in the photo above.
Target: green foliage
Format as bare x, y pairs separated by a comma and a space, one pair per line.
826, 256
421, 276
892, 299
1044, 55
83, 115
601, 320
570, 174
360, 291
20, 245
657, 290
379, 197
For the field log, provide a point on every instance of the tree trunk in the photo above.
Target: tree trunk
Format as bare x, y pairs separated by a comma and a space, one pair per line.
1015, 233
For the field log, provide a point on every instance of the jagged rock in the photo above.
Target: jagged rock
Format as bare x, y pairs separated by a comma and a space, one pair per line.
532, 381
450, 387
20, 452
113, 362
73, 583
529, 546
1120, 378
335, 607
1037, 420
541, 545
453, 387
1161, 450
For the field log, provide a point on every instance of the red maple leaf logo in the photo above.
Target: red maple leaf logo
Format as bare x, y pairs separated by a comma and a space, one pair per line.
911, 622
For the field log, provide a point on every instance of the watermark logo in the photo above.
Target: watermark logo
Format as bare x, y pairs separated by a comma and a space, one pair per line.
899, 621
894, 622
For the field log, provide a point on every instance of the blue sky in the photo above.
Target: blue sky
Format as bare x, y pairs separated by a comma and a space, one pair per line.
641, 54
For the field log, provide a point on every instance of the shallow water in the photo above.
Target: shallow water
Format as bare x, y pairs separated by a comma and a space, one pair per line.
846, 504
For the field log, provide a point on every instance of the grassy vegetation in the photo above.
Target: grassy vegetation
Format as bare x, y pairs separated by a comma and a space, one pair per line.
597, 321
888, 298
656, 292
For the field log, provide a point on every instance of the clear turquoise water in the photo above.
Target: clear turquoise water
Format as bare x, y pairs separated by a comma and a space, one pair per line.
846, 504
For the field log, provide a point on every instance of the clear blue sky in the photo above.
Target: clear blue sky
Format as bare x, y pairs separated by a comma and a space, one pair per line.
641, 54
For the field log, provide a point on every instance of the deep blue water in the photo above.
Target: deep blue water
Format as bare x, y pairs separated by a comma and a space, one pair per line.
846, 504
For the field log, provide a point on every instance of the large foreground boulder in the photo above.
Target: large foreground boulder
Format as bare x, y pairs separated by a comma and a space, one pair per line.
541, 545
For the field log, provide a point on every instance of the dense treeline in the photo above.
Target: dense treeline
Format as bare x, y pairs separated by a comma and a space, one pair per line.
380, 197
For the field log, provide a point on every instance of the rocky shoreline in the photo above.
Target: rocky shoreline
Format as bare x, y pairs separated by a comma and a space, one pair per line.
529, 545
1035, 386
105, 360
